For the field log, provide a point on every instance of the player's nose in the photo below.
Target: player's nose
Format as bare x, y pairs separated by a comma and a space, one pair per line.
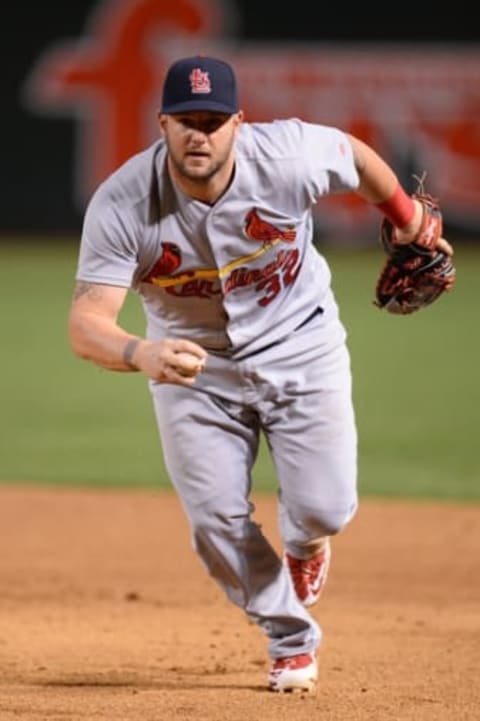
196, 138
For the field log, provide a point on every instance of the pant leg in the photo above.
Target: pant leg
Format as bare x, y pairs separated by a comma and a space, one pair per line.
210, 445
311, 431
318, 474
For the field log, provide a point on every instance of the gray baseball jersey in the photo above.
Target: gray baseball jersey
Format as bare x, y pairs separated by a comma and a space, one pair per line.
243, 279
233, 277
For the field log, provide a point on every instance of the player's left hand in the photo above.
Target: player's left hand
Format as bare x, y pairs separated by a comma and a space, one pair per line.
418, 268
426, 227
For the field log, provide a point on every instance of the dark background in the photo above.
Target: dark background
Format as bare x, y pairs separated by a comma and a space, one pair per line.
36, 151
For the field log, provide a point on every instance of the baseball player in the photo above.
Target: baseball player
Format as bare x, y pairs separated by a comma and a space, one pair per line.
212, 227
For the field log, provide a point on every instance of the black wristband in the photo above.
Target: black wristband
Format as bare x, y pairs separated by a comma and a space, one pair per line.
128, 352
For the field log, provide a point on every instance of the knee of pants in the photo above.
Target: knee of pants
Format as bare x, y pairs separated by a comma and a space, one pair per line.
325, 521
218, 516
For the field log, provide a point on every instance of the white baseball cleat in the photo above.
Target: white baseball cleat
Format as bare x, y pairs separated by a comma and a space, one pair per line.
309, 575
294, 673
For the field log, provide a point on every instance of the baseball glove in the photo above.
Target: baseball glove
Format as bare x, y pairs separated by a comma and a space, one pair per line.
414, 274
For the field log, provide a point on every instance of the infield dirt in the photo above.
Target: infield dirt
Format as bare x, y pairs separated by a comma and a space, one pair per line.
107, 614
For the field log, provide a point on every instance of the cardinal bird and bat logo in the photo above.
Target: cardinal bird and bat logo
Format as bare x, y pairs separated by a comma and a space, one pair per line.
203, 282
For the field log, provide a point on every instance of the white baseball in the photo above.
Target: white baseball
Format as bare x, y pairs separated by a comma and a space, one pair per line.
189, 365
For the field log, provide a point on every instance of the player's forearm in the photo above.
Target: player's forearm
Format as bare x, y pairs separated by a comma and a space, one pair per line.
103, 342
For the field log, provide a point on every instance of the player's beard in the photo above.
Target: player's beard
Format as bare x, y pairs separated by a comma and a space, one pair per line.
200, 174
201, 171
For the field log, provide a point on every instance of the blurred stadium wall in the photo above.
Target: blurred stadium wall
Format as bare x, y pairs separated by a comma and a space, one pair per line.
82, 84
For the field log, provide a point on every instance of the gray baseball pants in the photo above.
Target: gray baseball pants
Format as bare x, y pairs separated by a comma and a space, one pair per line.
298, 394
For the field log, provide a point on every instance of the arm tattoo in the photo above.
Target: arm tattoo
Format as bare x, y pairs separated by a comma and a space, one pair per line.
84, 288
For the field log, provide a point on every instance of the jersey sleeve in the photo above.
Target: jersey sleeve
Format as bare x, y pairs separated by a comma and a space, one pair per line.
108, 248
318, 158
330, 154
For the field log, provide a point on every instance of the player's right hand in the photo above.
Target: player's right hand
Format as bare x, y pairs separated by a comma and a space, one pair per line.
171, 360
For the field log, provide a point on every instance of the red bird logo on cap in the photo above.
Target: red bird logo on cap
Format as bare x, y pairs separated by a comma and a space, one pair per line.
258, 229
200, 81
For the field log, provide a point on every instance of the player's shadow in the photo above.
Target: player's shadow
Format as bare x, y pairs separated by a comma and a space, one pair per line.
184, 683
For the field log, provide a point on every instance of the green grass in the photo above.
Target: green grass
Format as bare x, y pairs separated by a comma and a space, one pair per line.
417, 396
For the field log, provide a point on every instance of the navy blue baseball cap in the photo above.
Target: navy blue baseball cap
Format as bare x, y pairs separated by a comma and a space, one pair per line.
200, 83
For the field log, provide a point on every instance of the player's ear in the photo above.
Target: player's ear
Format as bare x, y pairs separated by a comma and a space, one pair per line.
238, 120
161, 122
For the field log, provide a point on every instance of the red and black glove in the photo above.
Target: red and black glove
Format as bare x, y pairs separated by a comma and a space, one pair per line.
417, 273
